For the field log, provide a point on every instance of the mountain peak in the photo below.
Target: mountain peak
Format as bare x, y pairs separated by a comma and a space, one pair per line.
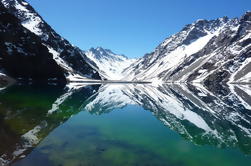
246, 16
214, 22
204, 25
100, 52
201, 21
100, 49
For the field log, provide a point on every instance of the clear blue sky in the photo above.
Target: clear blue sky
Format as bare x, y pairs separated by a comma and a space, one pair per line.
130, 27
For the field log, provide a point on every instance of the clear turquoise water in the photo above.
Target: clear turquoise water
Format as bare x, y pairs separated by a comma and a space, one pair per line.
112, 132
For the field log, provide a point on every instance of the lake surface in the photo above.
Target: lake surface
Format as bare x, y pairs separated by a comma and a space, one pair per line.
125, 125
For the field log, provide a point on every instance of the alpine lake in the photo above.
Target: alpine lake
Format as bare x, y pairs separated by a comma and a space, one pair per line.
125, 125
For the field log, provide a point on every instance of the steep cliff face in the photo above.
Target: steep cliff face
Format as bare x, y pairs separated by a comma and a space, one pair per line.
31, 49
23, 55
205, 51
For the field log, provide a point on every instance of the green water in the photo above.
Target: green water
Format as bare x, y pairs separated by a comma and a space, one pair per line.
121, 126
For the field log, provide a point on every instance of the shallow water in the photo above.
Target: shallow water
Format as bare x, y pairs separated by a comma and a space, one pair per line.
125, 125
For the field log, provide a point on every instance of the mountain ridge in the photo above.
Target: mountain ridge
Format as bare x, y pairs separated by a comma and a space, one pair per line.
194, 42
206, 51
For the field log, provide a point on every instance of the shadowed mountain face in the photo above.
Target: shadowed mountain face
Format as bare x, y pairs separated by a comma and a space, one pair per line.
219, 117
32, 50
22, 52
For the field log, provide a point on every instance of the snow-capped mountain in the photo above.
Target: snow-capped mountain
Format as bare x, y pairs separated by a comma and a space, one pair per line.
31, 49
205, 51
109, 64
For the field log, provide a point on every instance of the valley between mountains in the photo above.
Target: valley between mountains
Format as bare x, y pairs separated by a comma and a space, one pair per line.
206, 51
187, 102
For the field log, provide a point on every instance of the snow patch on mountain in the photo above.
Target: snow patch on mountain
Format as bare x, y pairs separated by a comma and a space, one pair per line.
30, 20
175, 57
71, 76
59, 60
246, 78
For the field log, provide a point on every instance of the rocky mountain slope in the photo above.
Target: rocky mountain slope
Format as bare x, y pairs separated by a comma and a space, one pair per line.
109, 64
32, 50
205, 51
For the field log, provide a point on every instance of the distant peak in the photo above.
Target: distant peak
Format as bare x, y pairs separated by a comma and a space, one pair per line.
100, 48
201, 21
102, 52
248, 12
246, 16
204, 21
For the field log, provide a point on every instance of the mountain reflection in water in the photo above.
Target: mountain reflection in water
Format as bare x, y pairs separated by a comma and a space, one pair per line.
219, 117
